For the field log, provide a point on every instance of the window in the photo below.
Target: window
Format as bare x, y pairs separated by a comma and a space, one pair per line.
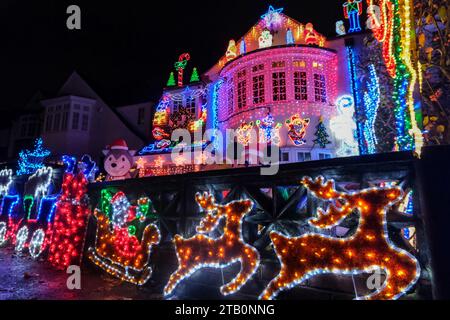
48, 123
278, 64
300, 86
86, 108
285, 156
190, 104
177, 104
242, 73
56, 122
66, 107
141, 116
32, 126
75, 120
303, 156
279, 86
23, 129
242, 94
324, 156
259, 67
317, 65
64, 120
230, 96
299, 64
76, 106
320, 94
85, 122
258, 89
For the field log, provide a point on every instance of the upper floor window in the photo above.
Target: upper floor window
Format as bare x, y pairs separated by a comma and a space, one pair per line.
258, 89
242, 73
300, 86
75, 120
85, 122
177, 104
190, 104
65, 120
278, 64
259, 67
141, 116
76, 106
299, 64
279, 86
48, 123
317, 65
230, 96
242, 94
320, 93
86, 108
56, 122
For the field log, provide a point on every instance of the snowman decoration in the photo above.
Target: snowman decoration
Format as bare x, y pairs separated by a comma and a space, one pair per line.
265, 39
343, 127
118, 161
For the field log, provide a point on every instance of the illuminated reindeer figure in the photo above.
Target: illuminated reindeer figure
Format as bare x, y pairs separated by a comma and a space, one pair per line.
368, 249
202, 251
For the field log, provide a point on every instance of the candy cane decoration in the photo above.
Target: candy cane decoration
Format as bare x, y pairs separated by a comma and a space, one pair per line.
180, 65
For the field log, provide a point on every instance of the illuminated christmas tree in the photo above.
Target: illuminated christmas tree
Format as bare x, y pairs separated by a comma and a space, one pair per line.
171, 81
194, 76
32, 160
321, 134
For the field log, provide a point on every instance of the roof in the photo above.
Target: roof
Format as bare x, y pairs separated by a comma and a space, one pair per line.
278, 24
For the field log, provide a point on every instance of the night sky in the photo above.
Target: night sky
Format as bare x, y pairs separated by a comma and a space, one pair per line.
126, 49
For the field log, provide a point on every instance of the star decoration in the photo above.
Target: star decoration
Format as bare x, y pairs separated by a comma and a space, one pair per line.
272, 15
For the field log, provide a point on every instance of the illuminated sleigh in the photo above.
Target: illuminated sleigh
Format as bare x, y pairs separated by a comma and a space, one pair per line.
368, 249
120, 253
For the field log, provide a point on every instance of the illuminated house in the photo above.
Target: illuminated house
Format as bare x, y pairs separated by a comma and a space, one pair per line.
282, 78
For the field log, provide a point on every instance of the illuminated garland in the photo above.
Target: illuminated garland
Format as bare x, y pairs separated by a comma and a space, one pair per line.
30, 161
118, 251
371, 104
202, 251
395, 34
368, 249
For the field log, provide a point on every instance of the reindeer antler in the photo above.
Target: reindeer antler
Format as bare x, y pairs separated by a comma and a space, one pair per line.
326, 191
208, 203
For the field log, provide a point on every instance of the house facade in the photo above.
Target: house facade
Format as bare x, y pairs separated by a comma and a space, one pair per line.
282, 83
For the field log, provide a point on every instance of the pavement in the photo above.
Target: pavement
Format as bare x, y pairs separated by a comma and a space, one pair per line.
23, 278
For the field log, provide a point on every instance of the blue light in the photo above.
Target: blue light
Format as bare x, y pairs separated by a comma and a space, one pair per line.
371, 104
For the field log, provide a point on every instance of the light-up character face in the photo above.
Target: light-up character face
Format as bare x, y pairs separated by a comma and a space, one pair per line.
265, 39
118, 163
340, 28
297, 129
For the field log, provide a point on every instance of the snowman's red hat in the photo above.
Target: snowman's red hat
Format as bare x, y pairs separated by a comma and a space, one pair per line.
119, 144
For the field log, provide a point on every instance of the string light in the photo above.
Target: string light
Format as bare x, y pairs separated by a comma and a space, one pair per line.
244, 133
5, 181
21, 239
297, 129
69, 227
202, 251
368, 249
180, 65
371, 104
36, 245
118, 251
352, 11
269, 131
32, 160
